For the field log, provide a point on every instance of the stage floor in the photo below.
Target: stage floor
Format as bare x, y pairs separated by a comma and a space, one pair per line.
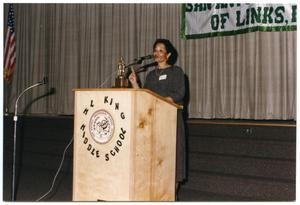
33, 183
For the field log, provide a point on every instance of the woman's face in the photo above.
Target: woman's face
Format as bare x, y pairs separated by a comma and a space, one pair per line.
160, 53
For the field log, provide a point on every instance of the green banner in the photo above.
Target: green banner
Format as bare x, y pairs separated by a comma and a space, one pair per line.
209, 20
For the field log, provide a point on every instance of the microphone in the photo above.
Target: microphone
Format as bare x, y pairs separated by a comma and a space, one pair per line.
15, 118
144, 67
52, 91
140, 59
44, 81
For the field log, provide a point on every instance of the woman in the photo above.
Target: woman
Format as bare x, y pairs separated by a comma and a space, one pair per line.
168, 81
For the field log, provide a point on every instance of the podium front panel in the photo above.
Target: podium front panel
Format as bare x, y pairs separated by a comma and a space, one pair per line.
101, 146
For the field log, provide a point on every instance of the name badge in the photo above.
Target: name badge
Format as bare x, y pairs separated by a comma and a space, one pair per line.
163, 77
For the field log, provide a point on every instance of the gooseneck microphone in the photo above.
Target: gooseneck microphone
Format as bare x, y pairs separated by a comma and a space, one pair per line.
144, 58
139, 60
145, 67
43, 82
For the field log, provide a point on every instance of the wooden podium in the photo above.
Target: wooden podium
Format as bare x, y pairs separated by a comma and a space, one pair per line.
124, 146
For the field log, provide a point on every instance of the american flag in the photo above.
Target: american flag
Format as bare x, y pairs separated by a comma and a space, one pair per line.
10, 46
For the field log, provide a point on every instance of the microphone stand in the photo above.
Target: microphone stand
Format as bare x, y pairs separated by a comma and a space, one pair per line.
144, 67
15, 135
134, 63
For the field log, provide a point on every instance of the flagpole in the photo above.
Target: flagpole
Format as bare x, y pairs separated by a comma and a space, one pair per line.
6, 97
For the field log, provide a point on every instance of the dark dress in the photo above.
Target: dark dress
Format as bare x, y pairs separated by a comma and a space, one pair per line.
170, 82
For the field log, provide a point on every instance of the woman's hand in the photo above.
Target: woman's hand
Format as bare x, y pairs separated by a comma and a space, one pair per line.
132, 79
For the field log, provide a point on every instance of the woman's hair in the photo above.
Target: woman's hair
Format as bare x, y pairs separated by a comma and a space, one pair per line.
170, 49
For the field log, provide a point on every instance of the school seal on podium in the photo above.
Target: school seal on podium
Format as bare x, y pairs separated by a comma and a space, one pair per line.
101, 126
